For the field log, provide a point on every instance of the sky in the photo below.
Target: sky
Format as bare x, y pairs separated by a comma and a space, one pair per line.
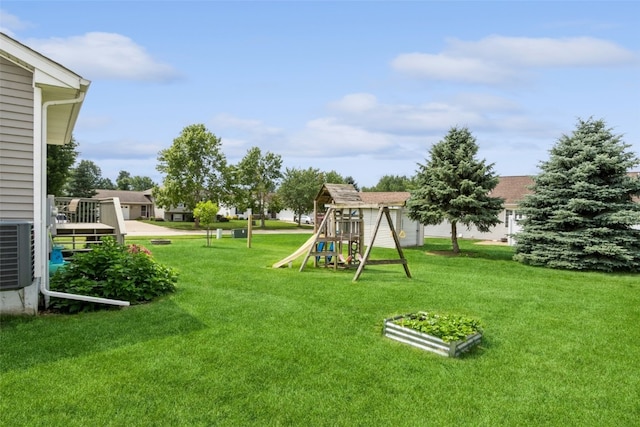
364, 88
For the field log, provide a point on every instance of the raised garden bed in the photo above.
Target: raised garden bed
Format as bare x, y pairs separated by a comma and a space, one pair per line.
459, 335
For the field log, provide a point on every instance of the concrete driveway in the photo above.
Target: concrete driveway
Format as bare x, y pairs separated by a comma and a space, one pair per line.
139, 228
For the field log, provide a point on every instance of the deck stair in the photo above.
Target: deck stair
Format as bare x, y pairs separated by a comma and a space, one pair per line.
81, 237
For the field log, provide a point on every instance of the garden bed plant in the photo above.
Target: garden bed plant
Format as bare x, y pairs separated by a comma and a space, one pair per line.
448, 335
111, 270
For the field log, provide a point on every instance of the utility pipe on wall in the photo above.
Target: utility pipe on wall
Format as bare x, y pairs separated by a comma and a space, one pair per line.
42, 279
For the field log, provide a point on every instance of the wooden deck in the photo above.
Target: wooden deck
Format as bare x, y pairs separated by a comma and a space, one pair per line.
78, 237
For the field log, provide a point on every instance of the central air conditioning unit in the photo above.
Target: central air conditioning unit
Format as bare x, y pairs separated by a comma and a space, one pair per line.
17, 251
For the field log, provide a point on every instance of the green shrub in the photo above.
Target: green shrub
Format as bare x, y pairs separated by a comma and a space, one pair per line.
115, 271
448, 328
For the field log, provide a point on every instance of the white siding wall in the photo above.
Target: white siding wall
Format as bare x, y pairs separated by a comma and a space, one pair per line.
498, 232
412, 231
16, 167
16, 142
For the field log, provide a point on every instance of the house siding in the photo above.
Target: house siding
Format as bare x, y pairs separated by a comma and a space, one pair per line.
403, 225
16, 142
497, 233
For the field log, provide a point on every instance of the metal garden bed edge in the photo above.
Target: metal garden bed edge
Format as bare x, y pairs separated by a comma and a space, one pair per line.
428, 342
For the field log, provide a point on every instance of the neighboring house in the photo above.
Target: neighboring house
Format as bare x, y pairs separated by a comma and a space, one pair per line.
410, 232
39, 104
177, 213
513, 189
510, 188
134, 204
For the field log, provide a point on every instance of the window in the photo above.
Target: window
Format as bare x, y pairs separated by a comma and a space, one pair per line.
507, 214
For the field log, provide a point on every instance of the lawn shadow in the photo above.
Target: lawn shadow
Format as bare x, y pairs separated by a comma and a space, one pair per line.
470, 249
30, 341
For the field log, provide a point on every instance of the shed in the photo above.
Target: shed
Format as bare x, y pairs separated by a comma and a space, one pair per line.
410, 232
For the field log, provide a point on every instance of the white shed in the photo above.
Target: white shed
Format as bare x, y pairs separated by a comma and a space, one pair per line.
410, 232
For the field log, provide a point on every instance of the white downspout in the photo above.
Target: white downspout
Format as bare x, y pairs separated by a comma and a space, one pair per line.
44, 279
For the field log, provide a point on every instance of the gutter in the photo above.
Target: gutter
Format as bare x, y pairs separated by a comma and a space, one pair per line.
87, 298
44, 282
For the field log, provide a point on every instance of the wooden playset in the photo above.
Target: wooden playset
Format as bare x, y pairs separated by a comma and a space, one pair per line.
338, 241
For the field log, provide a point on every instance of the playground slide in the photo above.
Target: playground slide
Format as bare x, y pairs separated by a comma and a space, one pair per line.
301, 251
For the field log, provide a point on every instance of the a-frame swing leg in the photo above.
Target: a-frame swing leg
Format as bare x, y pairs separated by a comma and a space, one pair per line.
383, 210
397, 242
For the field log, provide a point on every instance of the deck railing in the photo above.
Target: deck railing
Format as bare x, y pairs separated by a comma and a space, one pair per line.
106, 211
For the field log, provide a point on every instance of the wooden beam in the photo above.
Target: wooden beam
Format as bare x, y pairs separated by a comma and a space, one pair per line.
384, 210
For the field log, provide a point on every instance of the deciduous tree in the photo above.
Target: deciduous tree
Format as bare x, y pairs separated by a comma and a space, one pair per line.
141, 183
123, 181
581, 213
453, 185
256, 177
392, 183
195, 169
206, 212
299, 188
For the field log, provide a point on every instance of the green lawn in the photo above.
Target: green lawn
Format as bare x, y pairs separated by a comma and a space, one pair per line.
243, 344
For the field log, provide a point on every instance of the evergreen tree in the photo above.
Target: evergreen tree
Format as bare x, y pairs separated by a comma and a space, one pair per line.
86, 177
454, 186
351, 180
60, 159
581, 213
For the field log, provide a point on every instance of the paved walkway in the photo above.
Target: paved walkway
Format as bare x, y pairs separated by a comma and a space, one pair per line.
139, 228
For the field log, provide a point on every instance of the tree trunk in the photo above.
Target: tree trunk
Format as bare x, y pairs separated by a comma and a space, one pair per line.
454, 238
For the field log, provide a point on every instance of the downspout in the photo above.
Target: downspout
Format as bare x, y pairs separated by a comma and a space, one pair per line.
43, 281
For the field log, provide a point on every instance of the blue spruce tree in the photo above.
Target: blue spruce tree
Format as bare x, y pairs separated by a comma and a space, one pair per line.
582, 210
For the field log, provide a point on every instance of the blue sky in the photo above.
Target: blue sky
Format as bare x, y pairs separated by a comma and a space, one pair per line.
363, 88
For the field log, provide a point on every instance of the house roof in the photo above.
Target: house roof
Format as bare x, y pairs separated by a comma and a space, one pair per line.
513, 188
126, 197
385, 197
59, 86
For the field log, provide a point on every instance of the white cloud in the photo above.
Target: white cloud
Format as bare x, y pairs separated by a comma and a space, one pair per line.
545, 52
10, 23
240, 134
355, 103
360, 124
450, 67
327, 137
497, 59
122, 149
87, 123
402, 119
99, 55
485, 102
228, 121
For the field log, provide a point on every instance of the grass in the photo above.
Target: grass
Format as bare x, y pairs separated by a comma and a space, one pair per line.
243, 344
270, 224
